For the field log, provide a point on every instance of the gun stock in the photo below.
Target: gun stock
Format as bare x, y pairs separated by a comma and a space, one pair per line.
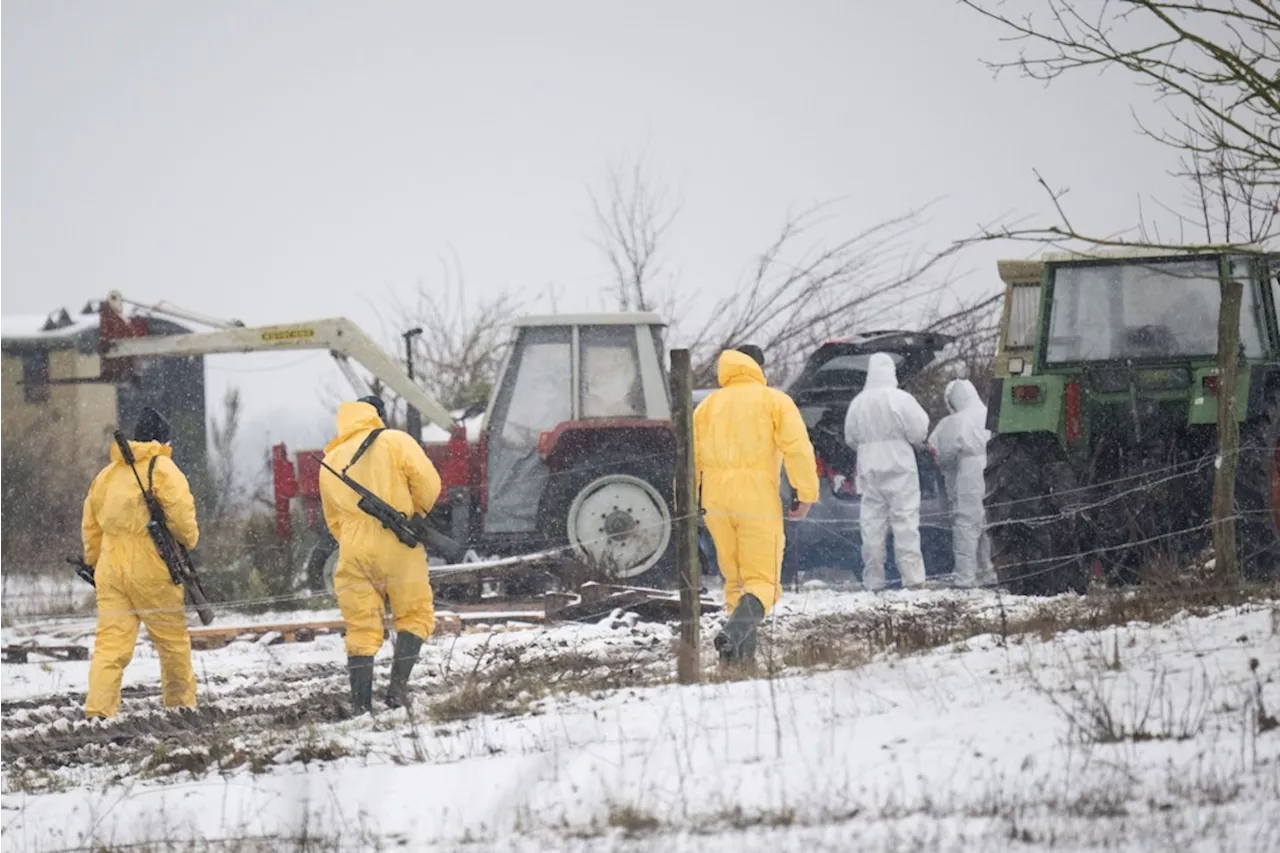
83, 569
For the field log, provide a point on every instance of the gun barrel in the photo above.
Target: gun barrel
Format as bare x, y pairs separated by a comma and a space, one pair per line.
431, 538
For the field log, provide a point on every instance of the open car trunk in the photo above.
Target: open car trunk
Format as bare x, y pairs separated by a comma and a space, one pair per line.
834, 375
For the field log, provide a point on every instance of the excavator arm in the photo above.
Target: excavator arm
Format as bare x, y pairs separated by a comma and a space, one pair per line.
344, 339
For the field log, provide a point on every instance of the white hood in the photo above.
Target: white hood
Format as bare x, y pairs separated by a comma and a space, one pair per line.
961, 395
881, 372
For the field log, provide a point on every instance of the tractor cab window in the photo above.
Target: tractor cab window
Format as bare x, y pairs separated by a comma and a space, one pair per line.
610, 373
537, 395
1024, 304
1141, 310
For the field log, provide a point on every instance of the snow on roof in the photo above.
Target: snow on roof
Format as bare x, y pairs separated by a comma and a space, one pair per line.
60, 326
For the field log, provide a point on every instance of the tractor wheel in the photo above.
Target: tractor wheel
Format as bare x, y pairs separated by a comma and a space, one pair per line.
1258, 496
614, 512
1033, 545
321, 561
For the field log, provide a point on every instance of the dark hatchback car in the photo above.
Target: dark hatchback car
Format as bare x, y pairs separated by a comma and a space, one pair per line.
830, 537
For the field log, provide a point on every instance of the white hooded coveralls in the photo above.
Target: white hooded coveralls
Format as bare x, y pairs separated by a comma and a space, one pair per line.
960, 441
883, 425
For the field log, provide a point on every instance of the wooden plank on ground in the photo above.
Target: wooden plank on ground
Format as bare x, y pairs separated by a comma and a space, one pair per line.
447, 623
21, 653
597, 600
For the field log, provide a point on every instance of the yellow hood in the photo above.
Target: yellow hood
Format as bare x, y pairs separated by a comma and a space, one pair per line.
142, 451
354, 418
737, 367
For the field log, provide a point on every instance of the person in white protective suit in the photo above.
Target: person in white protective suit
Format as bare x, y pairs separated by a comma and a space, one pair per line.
884, 425
960, 441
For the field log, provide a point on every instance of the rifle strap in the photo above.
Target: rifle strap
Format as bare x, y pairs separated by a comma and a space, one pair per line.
364, 445
151, 476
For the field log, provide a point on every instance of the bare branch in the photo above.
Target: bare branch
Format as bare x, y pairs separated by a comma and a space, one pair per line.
463, 340
633, 216
1214, 65
803, 291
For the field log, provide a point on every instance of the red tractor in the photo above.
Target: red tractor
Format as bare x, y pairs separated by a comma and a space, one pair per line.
574, 452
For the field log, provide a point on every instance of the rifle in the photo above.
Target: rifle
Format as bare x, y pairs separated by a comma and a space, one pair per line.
410, 530
83, 569
175, 557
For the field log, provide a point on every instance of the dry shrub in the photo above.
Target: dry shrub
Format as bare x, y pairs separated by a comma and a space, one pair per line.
853, 639
632, 820
510, 681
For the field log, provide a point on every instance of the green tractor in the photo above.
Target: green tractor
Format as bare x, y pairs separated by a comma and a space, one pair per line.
1104, 446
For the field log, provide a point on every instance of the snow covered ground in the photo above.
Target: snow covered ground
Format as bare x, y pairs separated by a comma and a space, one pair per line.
911, 721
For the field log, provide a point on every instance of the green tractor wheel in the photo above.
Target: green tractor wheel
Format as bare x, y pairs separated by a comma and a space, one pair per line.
1258, 496
1033, 542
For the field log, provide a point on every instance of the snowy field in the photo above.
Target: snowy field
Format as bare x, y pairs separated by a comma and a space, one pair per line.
911, 721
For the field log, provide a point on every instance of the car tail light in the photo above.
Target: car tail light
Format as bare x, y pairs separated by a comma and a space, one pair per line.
1210, 384
1026, 393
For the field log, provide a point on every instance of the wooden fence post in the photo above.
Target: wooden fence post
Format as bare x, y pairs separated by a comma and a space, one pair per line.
1226, 567
688, 664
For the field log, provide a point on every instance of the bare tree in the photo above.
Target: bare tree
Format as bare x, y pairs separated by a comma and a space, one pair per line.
226, 491
1233, 201
463, 340
1216, 68
803, 290
974, 326
633, 217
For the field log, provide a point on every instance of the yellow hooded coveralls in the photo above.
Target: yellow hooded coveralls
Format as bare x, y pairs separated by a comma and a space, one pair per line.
133, 583
742, 435
372, 562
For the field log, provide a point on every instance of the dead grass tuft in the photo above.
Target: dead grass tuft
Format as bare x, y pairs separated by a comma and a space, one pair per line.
633, 821
512, 680
851, 640
737, 818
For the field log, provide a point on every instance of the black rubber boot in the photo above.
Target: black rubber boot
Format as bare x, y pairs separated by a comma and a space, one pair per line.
406, 655
737, 642
360, 671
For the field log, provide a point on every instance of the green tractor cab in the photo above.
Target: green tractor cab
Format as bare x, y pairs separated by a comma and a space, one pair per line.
1104, 443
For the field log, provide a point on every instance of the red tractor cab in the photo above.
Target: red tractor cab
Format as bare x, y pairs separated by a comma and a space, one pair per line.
574, 452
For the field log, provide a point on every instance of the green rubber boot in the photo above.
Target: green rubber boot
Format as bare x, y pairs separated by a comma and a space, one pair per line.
406, 655
736, 643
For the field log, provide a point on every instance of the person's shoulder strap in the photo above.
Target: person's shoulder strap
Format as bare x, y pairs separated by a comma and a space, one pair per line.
364, 445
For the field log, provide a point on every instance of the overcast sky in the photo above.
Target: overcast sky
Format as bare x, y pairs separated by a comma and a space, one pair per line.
284, 160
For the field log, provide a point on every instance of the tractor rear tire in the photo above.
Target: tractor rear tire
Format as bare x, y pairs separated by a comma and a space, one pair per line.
1258, 496
1033, 542
612, 497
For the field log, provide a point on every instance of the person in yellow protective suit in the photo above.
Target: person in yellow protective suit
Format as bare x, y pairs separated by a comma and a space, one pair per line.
372, 562
743, 434
133, 583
